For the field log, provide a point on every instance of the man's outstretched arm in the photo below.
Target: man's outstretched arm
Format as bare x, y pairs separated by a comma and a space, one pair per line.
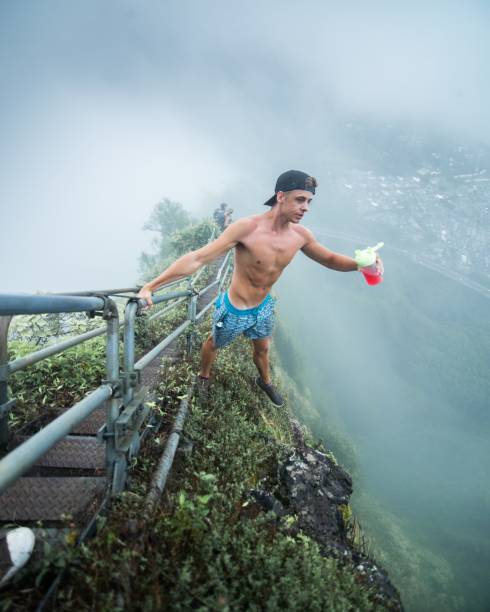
194, 260
335, 261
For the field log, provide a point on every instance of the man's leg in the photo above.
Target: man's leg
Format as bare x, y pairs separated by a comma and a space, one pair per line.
208, 355
261, 358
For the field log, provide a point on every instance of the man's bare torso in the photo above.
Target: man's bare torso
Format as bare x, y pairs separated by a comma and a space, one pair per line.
260, 257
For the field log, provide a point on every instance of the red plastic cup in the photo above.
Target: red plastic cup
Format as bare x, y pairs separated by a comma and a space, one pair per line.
372, 275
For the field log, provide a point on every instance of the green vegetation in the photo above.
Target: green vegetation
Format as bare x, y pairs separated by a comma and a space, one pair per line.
166, 218
56, 382
208, 546
192, 238
176, 233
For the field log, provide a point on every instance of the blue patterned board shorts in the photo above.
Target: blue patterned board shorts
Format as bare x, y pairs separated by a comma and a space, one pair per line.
229, 322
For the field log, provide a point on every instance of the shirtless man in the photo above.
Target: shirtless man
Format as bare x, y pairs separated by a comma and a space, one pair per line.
264, 245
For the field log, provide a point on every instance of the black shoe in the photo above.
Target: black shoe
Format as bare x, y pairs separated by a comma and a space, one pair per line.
271, 392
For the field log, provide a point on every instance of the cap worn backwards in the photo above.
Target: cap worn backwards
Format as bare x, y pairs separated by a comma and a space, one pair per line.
290, 180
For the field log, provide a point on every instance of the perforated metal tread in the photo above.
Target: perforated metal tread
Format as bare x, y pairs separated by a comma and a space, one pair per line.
46, 499
82, 452
91, 424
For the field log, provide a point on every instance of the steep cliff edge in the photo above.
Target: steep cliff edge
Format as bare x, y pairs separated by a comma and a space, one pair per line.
313, 491
255, 516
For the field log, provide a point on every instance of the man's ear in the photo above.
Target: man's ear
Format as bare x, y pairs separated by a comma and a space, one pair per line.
280, 197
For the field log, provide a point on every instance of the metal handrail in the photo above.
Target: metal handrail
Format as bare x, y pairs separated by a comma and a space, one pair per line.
99, 292
155, 351
165, 464
41, 301
18, 304
17, 462
116, 292
160, 313
118, 388
23, 362
204, 310
23, 457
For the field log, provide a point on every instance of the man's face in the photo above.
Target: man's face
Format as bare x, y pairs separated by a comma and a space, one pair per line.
294, 204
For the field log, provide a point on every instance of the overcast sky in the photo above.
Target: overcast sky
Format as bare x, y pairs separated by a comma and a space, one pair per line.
106, 107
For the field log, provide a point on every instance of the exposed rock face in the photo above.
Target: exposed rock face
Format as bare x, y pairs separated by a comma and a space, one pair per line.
313, 488
316, 490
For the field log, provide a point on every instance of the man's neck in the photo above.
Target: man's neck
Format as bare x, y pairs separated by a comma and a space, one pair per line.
278, 222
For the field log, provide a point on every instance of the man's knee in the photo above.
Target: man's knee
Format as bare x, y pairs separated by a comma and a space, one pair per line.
261, 349
209, 344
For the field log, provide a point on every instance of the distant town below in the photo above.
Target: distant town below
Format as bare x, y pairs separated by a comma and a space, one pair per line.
435, 196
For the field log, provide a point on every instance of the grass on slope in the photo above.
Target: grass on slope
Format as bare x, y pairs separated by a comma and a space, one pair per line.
207, 546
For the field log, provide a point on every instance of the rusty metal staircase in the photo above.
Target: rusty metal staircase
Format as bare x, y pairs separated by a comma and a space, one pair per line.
77, 474
65, 481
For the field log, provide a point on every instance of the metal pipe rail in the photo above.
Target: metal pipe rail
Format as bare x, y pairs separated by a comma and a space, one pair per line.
116, 292
165, 464
44, 303
160, 313
106, 292
198, 275
23, 362
194, 280
18, 304
225, 263
217, 281
204, 311
24, 456
117, 391
159, 348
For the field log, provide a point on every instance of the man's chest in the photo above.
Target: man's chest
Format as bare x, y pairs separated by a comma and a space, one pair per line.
269, 251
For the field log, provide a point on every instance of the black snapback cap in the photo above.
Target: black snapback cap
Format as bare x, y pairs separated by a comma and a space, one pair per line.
290, 180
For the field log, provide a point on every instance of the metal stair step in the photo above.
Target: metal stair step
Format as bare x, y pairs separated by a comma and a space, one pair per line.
46, 499
83, 452
92, 423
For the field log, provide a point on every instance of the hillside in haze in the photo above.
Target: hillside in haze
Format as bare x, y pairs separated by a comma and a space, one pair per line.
401, 369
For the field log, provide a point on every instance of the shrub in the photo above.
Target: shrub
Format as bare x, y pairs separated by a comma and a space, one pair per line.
56, 382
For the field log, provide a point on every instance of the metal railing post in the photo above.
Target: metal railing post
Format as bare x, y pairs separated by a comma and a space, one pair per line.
130, 376
4, 376
115, 462
191, 315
